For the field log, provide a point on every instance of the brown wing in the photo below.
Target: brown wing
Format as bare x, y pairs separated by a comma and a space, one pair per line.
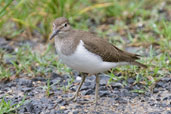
106, 50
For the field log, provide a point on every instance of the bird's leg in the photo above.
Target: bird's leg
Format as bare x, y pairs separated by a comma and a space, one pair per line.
97, 88
78, 89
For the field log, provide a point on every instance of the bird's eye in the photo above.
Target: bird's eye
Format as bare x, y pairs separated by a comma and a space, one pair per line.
65, 25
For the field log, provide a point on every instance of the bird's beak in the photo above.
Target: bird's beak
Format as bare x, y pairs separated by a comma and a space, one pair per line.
54, 34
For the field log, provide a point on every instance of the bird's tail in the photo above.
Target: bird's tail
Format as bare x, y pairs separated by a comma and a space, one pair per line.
139, 64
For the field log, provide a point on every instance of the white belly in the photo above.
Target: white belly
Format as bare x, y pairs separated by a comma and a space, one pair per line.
84, 61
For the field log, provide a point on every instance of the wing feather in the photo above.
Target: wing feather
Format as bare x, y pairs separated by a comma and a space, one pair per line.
107, 51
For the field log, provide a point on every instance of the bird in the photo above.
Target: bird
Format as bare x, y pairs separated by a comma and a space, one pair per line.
87, 53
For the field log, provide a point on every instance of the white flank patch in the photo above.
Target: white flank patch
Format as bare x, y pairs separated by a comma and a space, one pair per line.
84, 61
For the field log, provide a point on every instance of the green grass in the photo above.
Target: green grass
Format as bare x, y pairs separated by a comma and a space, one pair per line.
65, 88
48, 88
37, 16
7, 108
33, 16
30, 63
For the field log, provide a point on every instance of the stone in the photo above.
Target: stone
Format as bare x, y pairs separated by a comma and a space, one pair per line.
155, 90
26, 90
124, 93
60, 111
130, 80
116, 85
160, 84
25, 82
3, 41
88, 85
155, 112
88, 92
54, 76
39, 79
104, 80
34, 107
104, 93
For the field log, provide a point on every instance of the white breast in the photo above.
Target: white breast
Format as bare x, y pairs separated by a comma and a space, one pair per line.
84, 61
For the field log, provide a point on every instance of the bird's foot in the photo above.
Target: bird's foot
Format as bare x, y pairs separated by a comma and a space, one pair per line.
73, 98
85, 101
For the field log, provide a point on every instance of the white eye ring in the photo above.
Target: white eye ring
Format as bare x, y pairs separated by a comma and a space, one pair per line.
65, 25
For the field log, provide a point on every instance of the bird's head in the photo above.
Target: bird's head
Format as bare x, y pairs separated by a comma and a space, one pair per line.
60, 25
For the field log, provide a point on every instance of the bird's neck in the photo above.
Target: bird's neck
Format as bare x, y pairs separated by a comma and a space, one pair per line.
65, 43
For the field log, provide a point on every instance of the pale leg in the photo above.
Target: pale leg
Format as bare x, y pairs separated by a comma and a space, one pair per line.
97, 88
78, 89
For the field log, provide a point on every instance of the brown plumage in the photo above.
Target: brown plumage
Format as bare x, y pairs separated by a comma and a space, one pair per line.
101, 47
86, 52
94, 44
110, 52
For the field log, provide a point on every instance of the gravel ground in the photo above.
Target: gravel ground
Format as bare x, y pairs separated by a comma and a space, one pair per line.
115, 98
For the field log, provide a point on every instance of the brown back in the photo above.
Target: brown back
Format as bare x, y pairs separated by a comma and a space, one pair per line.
106, 50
